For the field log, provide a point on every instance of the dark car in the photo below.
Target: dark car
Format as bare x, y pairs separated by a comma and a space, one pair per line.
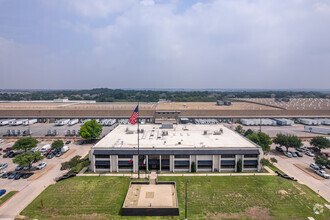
4, 176
26, 175
54, 151
18, 176
7, 149
45, 154
7, 154
68, 142
2, 192
58, 154
12, 175
11, 154
50, 156
328, 166
279, 149
299, 154
18, 168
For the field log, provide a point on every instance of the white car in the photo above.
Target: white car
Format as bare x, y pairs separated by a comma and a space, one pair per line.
314, 166
322, 173
41, 165
35, 149
3, 166
2, 172
308, 153
1, 141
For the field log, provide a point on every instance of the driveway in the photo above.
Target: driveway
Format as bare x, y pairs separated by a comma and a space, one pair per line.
322, 187
29, 190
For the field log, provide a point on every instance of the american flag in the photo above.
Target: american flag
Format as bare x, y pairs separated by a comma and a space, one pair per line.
134, 116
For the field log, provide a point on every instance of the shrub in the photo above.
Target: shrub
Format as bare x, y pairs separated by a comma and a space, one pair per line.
193, 167
239, 166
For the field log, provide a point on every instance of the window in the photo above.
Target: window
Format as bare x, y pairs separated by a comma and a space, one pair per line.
228, 156
227, 166
181, 164
250, 155
205, 164
102, 166
251, 166
103, 156
125, 156
181, 156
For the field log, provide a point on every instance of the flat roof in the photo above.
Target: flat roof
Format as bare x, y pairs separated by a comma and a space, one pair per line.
180, 137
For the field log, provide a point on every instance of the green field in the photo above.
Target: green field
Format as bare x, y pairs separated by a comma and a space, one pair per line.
208, 198
7, 196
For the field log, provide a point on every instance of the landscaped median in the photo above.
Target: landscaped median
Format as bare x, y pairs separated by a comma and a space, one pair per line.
7, 196
208, 197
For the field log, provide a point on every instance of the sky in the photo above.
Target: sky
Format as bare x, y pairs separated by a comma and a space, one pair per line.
83, 44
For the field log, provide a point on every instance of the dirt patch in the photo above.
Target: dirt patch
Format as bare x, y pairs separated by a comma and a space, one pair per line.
39, 173
309, 171
254, 212
283, 192
65, 155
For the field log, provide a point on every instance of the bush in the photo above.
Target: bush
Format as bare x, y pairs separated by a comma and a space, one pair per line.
71, 163
193, 167
239, 166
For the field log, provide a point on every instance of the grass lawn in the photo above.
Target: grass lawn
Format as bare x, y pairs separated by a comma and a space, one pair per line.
208, 197
7, 196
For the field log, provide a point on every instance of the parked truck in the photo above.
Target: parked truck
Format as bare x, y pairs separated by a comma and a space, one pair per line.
30, 121
62, 122
73, 122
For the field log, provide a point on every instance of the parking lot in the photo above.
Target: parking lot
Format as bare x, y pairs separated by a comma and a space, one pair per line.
272, 131
33, 186
298, 167
41, 129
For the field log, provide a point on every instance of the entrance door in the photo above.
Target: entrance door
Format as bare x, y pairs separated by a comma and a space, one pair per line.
153, 162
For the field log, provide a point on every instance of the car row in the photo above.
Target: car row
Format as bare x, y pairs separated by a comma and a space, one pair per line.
15, 175
289, 153
319, 169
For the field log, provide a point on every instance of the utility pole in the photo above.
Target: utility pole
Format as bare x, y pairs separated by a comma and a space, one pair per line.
186, 201
138, 131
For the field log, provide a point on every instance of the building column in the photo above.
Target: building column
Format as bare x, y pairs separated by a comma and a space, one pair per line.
213, 163
236, 163
243, 163
189, 163
135, 163
196, 163
219, 164
160, 162
117, 166
147, 167
171, 163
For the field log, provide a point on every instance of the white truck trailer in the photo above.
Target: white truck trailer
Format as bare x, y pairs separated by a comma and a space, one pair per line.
73, 122
62, 122
30, 121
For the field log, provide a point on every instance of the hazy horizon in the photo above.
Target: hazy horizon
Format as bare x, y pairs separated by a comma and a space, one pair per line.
160, 44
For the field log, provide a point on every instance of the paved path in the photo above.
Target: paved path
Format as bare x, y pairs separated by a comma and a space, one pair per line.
25, 196
287, 165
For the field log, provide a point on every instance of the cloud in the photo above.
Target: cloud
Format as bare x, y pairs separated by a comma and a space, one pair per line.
206, 44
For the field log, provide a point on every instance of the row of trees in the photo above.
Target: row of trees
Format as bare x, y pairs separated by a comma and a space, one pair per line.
260, 138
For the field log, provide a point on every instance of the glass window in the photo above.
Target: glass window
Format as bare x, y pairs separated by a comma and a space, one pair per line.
102, 156
250, 155
250, 166
102, 166
125, 156
181, 156
227, 166
228, 156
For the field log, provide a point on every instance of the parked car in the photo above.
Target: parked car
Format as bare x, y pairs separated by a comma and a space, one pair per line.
314, 166
288, 154
299, 154
1, 141
11, 154
50, 155
18, 168
18, 176
26, 168
308, 153
58, 154
68, 142
300, 149
328, 166
293, 154
26, 175
35, 149
7, 154
41, 165
322, 173
2, 192
3, 166
65, 149
321, 166
279, 149
7, 149
5, 175
54, 151
12, 175
2, 173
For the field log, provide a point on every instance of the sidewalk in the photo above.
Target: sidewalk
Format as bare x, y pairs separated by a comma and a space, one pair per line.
271, 173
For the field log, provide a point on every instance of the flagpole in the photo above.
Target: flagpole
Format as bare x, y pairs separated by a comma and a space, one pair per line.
138, 119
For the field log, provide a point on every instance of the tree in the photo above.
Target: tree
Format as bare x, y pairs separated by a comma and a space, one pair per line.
294, 142
320, 142
273, 160
90, 130
264, 162
249, 131
262, 139
193, 167
25, 144
27, 158
239, 166
239, 129
320, 159
57, 144
281, 140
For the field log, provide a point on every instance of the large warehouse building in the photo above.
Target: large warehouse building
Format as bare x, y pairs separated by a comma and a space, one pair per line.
173, 148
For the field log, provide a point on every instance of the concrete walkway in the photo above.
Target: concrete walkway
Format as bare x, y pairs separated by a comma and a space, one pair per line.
271, 173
